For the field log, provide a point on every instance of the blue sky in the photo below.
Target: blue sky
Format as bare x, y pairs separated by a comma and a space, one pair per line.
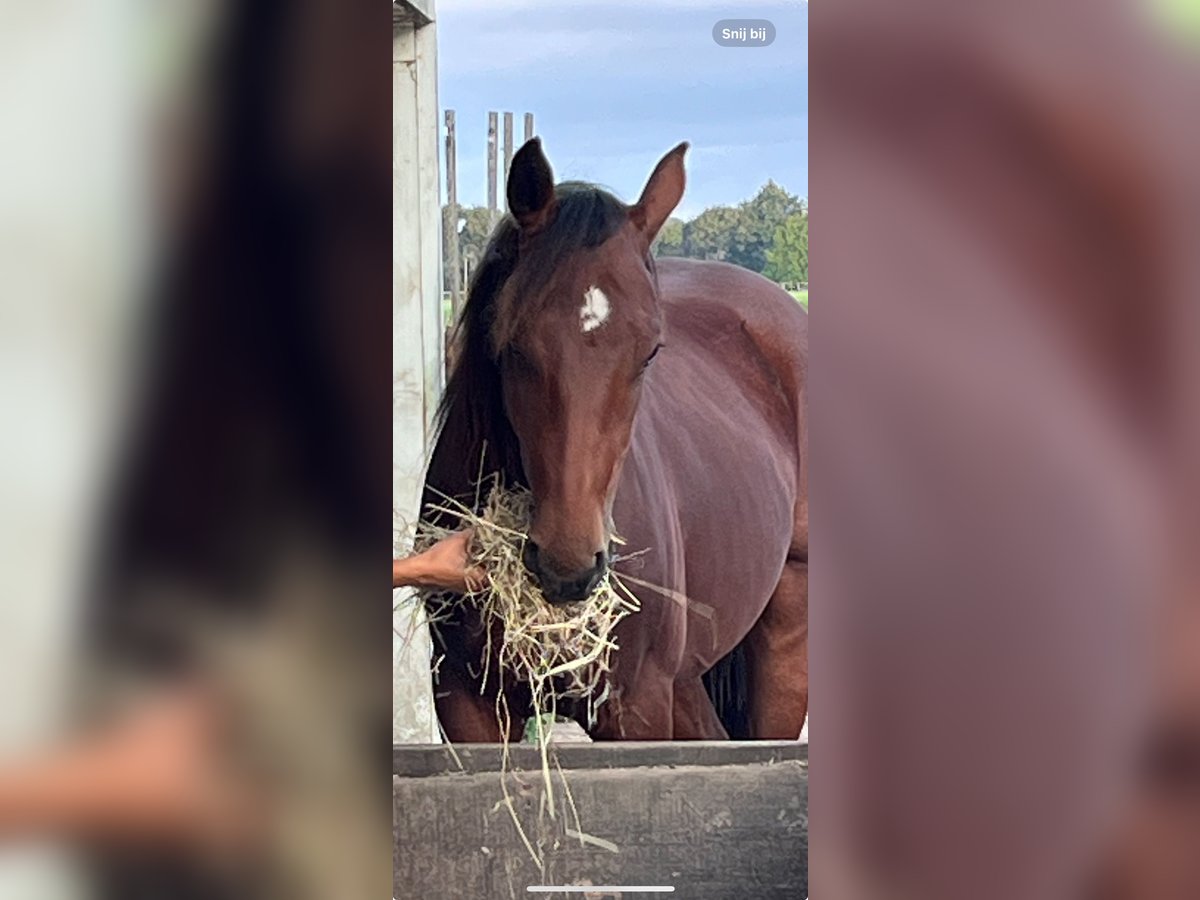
613, 85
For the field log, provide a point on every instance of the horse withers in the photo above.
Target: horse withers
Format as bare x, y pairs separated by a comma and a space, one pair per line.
661, 400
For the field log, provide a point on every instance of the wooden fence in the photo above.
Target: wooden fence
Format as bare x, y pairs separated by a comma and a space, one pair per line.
711, 819
499, 161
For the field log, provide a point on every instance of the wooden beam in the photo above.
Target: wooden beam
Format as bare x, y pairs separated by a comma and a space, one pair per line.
421, 761
508, 145
528, 126
450, 220
417, 13
451, 160
491, 161
416, 341
711, 832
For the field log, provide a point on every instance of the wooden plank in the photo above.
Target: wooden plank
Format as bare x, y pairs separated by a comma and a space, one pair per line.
417, 13
528, 126
411, 257
508, 145
430, 219
416, 343
491, 161
712, 832
424, 761
450, 219
451, 159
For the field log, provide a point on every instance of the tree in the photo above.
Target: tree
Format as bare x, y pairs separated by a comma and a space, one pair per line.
711, 234
472, 237
787, 258
746, 235
759, 220
741, 234
670, 239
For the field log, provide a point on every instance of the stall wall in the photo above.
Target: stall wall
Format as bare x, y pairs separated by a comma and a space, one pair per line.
417, 338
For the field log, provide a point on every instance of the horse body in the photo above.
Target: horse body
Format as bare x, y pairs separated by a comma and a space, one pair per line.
713, 489
697, 463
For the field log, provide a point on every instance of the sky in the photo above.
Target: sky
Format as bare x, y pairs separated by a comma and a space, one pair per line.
615, 84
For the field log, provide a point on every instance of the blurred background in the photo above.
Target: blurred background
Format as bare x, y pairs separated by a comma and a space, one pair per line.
195, 244
1004, 480
195, 254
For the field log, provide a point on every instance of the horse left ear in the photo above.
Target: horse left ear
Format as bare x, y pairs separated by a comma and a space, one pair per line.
531, 187
661, 195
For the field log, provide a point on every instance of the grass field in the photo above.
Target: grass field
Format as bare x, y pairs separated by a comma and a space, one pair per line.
802, 296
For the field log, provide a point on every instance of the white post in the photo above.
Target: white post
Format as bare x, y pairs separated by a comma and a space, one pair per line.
416, 340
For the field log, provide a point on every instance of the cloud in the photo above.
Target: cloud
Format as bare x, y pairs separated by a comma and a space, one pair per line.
614, 88
491, 50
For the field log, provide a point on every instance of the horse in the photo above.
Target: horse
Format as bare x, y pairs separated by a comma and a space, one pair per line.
663, 401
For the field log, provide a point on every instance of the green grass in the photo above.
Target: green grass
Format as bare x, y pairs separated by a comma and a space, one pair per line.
802, 296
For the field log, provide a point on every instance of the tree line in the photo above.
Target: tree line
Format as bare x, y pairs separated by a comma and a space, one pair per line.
767, 234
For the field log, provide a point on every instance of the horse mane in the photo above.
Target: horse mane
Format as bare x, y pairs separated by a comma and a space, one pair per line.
586, 216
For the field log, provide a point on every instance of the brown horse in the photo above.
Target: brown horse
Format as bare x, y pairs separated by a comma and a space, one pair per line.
663, 401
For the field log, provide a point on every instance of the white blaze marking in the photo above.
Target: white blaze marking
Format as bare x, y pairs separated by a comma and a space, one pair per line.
594, 311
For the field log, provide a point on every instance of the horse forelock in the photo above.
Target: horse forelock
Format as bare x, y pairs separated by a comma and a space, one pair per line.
586, 216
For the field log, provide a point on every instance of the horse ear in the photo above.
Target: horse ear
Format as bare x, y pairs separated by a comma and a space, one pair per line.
531, 187
661, 195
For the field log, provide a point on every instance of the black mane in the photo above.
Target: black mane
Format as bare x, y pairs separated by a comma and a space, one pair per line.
586, 216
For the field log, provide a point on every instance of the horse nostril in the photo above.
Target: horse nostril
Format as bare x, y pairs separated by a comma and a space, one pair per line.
558, 586
529, 556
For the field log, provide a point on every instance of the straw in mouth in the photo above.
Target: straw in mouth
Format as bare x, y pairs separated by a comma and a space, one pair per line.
561, 651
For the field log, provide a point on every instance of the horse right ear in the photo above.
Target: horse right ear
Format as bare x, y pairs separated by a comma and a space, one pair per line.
531, 187
661, 195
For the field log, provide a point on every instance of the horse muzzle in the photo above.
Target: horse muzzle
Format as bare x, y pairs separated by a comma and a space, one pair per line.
563, 587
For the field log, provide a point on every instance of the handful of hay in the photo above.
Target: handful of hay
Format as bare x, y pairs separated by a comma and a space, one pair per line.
560, 651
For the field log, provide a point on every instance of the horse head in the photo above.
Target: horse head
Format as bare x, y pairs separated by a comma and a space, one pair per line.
573, 332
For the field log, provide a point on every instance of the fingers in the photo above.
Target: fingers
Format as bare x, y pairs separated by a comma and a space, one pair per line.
475, 580
445, 565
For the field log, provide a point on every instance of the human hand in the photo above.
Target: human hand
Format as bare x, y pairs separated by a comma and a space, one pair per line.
163, 776
445, 565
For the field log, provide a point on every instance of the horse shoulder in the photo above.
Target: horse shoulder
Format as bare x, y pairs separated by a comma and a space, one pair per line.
708, 304
728, 293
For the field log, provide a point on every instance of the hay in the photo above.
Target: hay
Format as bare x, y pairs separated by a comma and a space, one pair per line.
563, 651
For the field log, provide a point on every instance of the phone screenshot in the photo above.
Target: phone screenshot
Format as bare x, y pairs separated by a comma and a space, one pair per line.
600, 448
520, 290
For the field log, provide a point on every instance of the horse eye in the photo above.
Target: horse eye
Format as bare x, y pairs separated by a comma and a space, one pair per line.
519, 360
653, 353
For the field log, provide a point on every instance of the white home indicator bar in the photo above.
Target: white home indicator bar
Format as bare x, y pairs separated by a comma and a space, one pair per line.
601, 889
